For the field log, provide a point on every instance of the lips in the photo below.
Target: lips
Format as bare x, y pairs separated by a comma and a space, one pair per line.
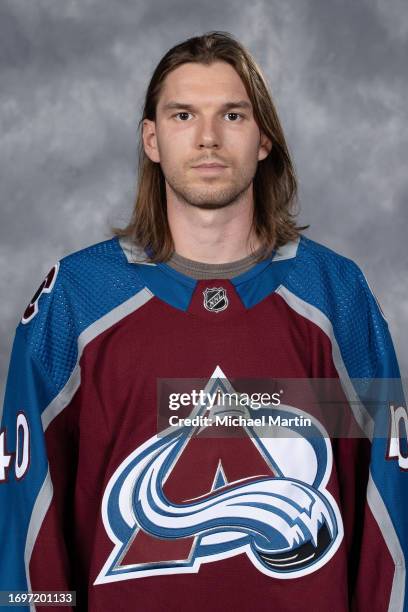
210, 166
206, 169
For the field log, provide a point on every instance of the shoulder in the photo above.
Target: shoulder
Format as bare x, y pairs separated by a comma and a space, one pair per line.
320, 259
92, 277
332, 291
80, 289
330, 279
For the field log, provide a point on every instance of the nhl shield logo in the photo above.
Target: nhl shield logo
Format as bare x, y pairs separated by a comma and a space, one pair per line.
215, 299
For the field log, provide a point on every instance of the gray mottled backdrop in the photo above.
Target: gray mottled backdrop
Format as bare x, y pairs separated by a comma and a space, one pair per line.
72, 80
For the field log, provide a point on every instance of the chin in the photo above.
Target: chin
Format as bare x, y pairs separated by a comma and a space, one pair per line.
210, 205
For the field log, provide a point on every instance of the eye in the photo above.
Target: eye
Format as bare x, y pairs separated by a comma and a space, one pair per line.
236, 114
181, 113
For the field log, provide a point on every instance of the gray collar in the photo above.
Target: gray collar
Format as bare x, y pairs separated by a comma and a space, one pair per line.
202, 271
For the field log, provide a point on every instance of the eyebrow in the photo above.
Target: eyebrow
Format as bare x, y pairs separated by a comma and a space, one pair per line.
226, 106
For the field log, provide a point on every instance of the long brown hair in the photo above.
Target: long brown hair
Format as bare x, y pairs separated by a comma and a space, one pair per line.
275, 184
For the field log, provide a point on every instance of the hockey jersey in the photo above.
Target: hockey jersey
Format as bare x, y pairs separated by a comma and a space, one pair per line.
94, 498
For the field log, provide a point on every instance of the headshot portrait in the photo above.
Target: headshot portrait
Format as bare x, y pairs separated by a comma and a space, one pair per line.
204, 332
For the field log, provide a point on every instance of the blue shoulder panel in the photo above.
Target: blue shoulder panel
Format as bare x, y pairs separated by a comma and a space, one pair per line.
338, 288
89, 283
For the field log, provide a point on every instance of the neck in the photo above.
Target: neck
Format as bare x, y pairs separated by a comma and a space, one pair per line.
212, 236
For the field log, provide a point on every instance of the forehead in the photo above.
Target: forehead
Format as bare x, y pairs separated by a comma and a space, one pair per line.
203, 84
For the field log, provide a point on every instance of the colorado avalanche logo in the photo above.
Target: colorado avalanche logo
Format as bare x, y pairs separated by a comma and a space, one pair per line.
166, 512
215, 299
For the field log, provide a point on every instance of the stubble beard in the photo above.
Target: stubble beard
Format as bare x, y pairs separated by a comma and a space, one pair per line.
209, 193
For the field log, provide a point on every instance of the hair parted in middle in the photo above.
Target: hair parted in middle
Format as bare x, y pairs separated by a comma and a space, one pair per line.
274, 183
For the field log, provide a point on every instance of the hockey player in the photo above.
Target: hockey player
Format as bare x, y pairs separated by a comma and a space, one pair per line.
211, 281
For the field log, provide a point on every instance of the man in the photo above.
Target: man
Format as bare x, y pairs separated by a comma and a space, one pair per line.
211, 281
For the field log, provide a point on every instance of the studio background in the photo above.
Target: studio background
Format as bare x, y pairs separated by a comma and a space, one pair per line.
73, 76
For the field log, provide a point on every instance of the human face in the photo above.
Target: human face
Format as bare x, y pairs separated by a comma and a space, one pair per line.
204, 115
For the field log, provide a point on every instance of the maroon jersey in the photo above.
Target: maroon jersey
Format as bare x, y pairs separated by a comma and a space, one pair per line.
106, 498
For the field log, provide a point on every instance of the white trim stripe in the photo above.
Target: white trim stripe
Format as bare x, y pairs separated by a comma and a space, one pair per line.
364, 419
133, 253
380, 513
287, 251
62, 400
42, 502
315, 315
91, 332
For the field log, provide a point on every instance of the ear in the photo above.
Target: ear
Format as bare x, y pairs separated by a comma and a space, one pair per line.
150, 140
265, 147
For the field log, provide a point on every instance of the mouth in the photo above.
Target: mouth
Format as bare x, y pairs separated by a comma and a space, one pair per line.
209, 168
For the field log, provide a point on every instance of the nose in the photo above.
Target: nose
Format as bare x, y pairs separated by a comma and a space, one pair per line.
207, 134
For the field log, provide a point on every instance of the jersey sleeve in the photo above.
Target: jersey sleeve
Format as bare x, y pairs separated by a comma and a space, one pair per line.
380, 583
36, 472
